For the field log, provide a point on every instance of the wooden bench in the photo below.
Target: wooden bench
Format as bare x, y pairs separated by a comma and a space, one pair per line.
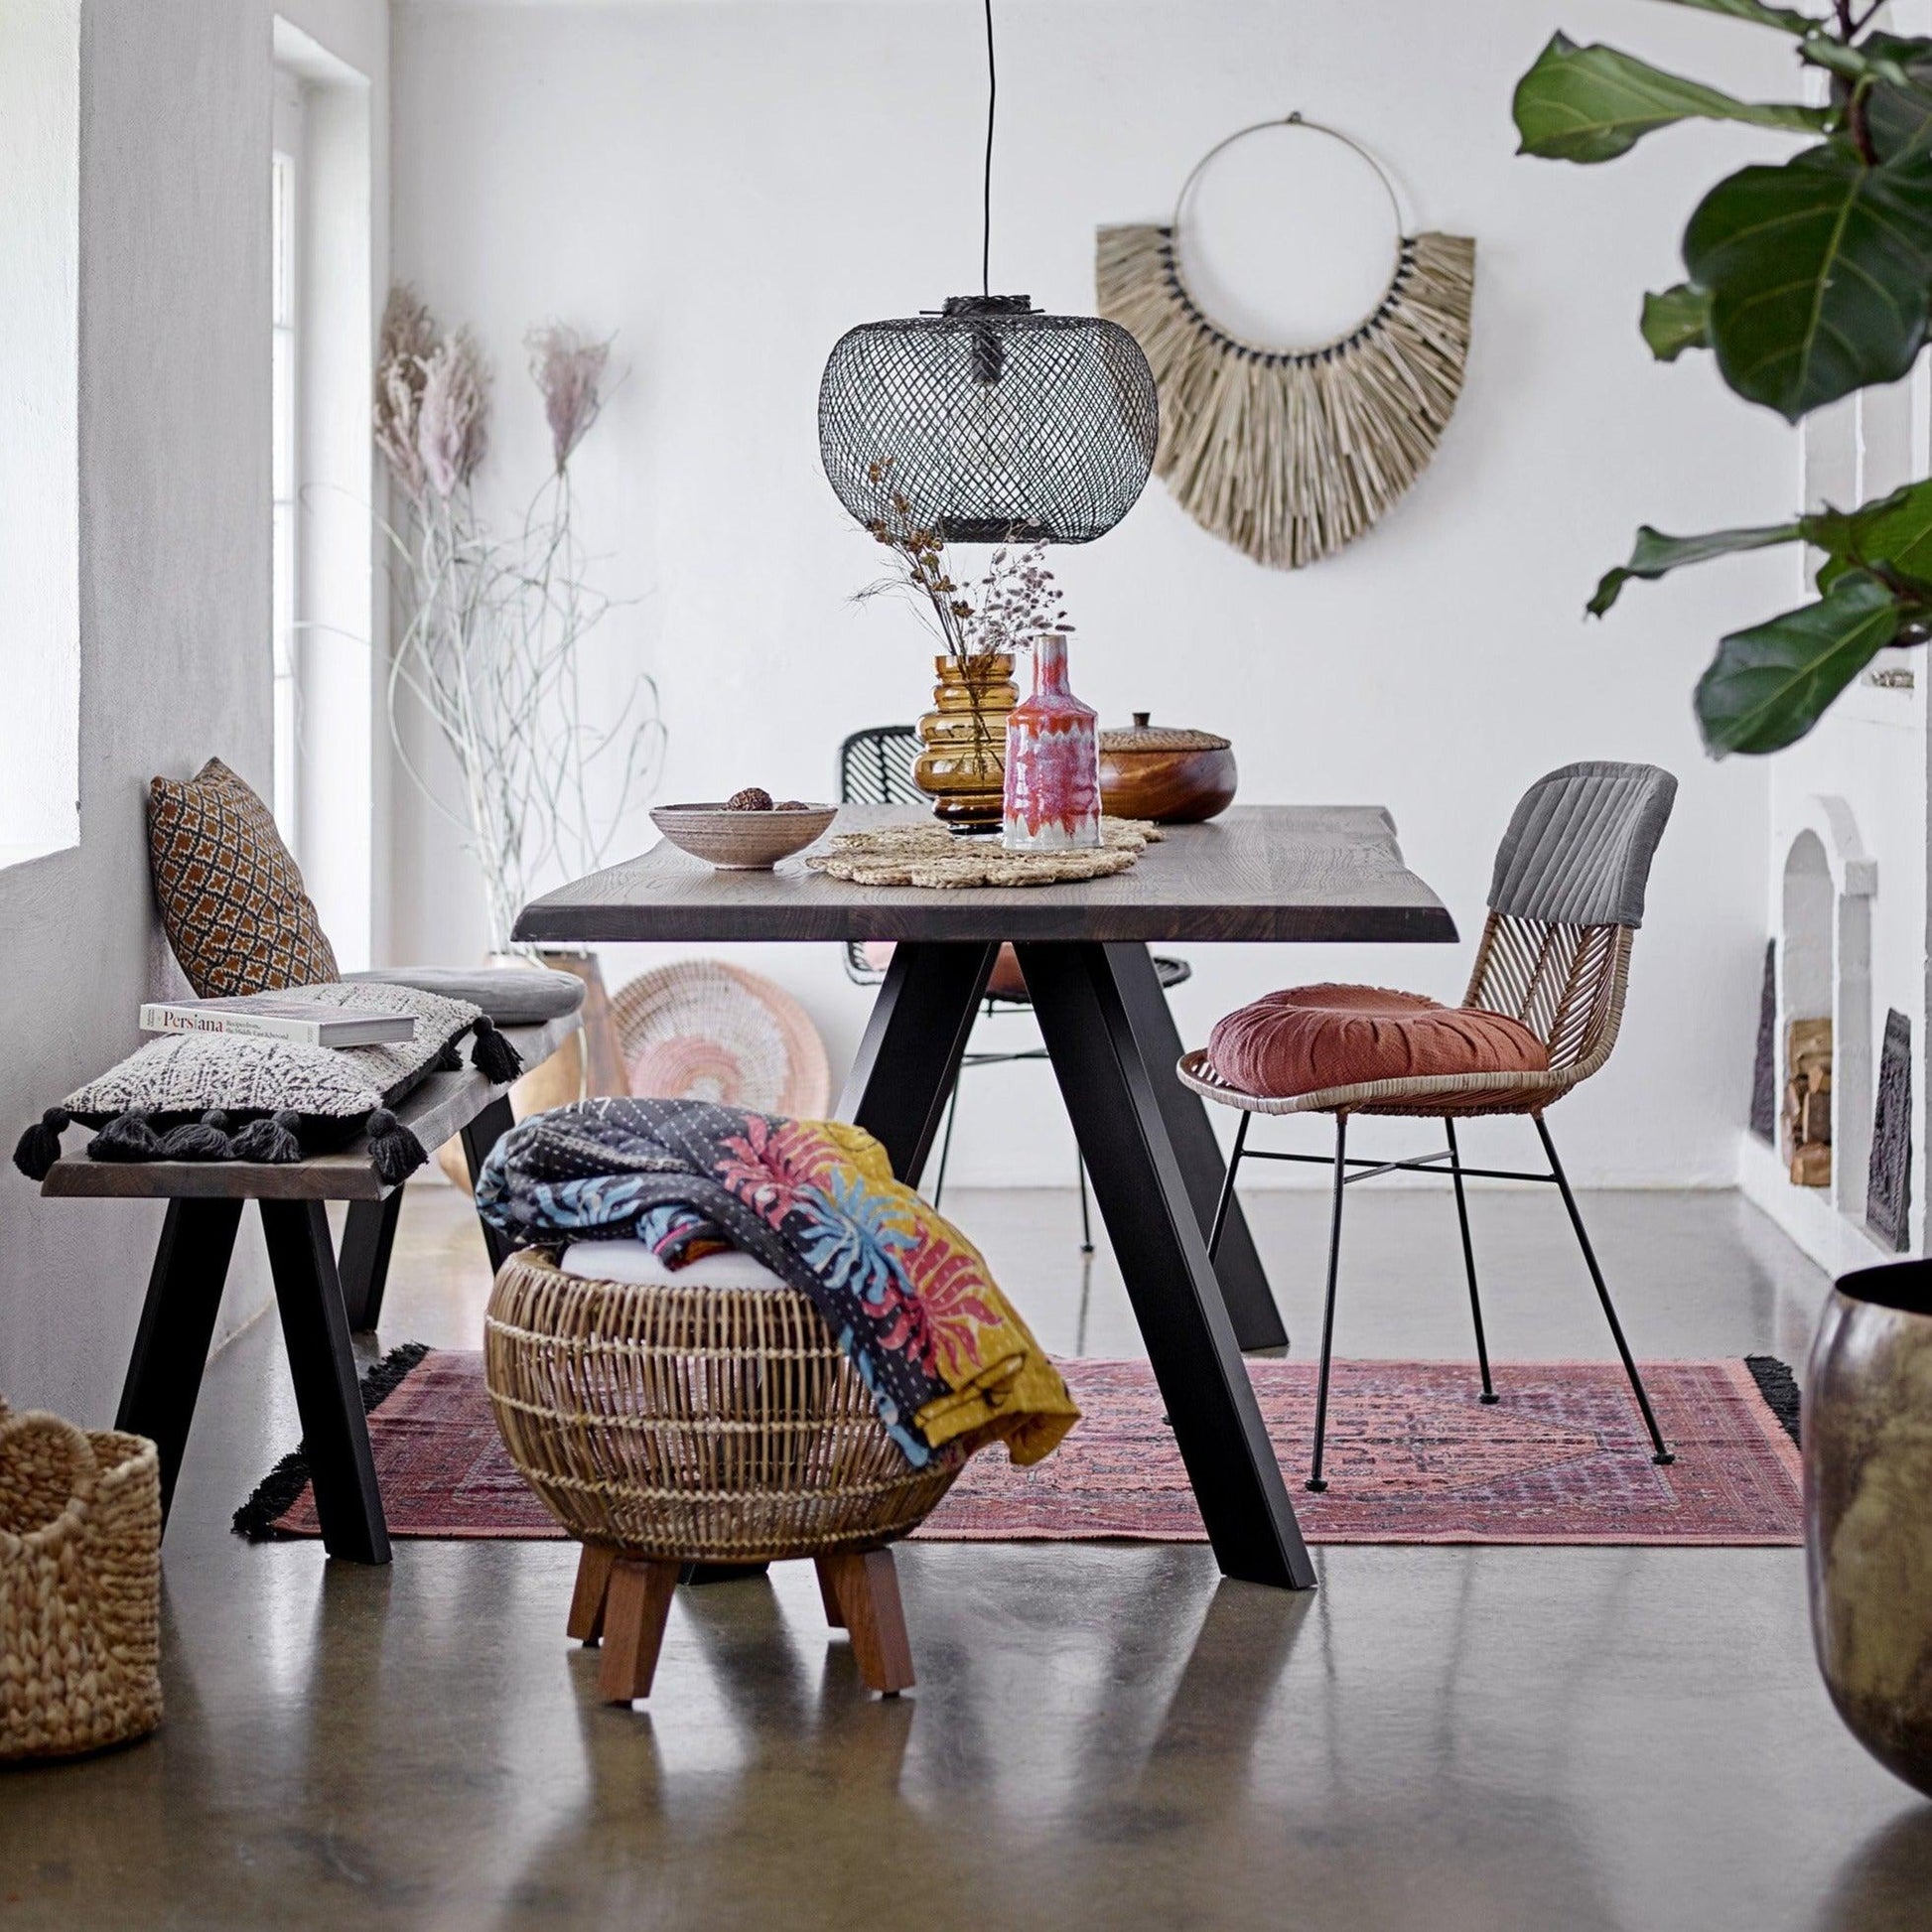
322, 1296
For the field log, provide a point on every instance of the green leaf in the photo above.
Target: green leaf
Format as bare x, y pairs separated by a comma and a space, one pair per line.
1894, 531
1675, 320
1592, 103
1854, 63
1899, 118
1780, 17
1768, 685
1818, 273
1655, 554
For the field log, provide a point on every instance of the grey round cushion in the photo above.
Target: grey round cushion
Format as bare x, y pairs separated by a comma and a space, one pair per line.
512, 995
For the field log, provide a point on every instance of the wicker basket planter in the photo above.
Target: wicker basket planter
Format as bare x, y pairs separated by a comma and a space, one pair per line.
80, 1586
669, 1426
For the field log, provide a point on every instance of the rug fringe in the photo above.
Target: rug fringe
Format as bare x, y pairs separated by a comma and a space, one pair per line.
281, 1488
1779, 1388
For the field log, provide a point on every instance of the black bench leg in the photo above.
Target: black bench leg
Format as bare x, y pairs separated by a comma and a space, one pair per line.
479, 1138
368, 1235
164, 1375
328, 1394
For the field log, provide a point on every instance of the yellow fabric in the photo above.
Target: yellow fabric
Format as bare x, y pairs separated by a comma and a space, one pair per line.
1003, 1387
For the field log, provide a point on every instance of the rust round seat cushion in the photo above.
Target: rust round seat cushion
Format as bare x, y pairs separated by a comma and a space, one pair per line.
1307, 1038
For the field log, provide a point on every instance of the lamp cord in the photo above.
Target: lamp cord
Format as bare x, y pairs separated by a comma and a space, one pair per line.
986, 196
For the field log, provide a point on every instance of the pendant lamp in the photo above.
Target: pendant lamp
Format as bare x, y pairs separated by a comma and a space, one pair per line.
995, 422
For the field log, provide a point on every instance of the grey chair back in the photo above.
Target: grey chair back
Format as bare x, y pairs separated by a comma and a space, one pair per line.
876, 768
1579, 847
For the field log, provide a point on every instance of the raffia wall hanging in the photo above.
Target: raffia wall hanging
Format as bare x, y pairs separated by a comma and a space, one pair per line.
1288, 454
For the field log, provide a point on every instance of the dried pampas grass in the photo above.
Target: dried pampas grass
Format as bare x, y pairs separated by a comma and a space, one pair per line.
1291, 456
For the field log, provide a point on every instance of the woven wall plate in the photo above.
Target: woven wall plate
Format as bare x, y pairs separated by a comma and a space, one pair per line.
703, 1029
930, 856
1288, 454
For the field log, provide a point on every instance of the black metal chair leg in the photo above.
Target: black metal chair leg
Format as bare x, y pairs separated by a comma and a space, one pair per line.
1663, 1454
1087, 1213
1469, 1260
945, 1146
1227, 1186
1315, 1480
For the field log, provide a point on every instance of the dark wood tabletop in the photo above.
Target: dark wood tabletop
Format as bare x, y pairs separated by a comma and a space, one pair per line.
1259, 873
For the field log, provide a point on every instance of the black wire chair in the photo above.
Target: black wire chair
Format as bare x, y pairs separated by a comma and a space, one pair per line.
876, 768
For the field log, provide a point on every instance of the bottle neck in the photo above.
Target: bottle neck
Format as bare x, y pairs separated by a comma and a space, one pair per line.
1049, 664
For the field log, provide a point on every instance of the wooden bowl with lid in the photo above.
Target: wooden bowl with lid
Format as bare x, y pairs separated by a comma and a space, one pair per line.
1158, 772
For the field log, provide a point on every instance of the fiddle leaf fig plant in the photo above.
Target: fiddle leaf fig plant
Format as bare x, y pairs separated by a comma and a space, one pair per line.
1807, 281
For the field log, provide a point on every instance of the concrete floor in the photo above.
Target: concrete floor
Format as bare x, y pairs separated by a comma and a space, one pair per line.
1554, 1740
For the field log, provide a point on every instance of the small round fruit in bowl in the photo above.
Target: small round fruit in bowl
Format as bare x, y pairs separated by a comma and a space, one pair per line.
747, 832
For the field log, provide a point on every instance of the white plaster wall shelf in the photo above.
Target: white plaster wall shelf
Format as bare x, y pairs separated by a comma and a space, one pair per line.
1828, 884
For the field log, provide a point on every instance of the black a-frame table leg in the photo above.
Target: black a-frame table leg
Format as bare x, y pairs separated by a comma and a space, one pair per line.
1083, 997
1244, 1281
909, 1056
328, 1391
164, 1375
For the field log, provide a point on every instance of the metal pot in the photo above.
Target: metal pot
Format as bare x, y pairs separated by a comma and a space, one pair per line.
1867, 1443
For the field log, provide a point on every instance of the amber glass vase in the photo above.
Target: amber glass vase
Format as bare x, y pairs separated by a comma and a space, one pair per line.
962, 767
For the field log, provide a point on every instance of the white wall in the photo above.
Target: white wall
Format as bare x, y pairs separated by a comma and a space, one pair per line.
728, 187
174, 619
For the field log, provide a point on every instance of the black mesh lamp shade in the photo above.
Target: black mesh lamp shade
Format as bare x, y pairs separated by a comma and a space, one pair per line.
997, 422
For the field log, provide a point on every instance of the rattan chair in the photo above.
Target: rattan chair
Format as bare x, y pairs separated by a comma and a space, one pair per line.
876, 768
1564, 903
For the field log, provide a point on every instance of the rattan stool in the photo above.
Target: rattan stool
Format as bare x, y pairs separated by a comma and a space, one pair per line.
669, 1426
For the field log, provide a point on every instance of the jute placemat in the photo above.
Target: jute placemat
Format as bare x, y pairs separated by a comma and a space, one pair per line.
930, 855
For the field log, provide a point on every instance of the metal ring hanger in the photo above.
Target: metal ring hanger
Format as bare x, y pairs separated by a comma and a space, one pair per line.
1296, 119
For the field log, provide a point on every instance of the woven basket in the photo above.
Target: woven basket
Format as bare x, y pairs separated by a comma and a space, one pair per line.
696, 1423
80, 1586
706, 1029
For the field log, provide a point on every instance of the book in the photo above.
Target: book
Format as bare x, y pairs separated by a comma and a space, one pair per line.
263, 1015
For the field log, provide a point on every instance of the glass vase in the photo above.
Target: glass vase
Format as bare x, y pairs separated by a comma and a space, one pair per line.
1053, 761
960, 767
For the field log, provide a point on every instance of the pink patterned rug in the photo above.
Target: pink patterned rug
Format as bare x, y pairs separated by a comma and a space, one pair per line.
1413, 1457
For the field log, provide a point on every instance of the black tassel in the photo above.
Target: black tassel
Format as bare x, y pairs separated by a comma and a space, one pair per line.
492, 1056
448, 1060
205, 1139
394, 1150
127, 1137
40, 1146
275, 1140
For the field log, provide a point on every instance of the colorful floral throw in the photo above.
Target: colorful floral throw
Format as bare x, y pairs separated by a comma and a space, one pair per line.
906, 1294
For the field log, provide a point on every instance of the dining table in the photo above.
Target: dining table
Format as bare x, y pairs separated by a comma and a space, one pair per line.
1258, 875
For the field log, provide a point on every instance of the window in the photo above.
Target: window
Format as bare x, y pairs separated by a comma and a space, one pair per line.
285, 306
325, 194
40, 441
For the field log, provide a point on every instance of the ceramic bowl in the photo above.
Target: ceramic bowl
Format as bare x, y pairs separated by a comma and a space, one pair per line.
741, 840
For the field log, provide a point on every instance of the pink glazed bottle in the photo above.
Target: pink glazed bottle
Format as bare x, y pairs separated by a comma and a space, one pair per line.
1052, 775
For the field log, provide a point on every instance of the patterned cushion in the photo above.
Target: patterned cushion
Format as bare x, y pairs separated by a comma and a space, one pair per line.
180, 1076
231, 897
244, 1098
